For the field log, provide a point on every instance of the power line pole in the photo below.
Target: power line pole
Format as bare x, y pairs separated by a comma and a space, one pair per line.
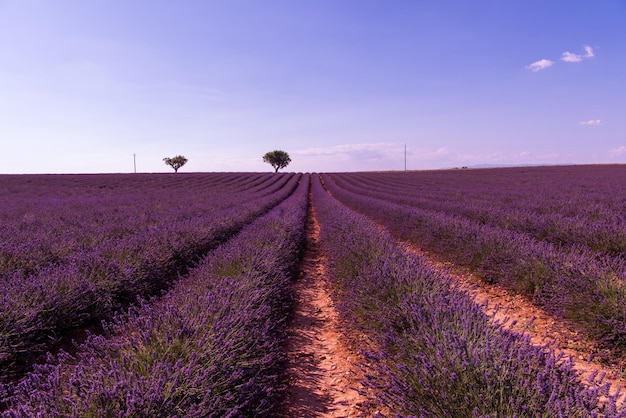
404, 157
135, 162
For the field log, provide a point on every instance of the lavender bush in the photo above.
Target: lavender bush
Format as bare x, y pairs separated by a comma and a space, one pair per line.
139, 251
434, 352
211, 347
566, 206
572, 284
47, 220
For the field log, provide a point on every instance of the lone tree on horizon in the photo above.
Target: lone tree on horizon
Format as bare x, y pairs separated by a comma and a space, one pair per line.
277, 159
176, 162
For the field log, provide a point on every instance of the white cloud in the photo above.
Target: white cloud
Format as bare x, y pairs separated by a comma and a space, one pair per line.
350, 157
371, 156
540, 65
617, 152
591, 122
524, 153
571, 57
349, 149
565, 57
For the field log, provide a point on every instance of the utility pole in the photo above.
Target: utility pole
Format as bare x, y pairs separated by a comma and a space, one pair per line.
404, 157
135, 162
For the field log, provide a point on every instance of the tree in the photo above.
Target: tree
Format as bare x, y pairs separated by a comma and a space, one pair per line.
277, 159
176, 162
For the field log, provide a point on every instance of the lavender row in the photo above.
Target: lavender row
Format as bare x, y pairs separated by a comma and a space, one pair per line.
39, 310
581, 206
600, 240
568, 284
48, 220
433, 352
212, 347
587, 191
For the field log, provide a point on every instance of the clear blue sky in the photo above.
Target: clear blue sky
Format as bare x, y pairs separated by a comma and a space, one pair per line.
342, 85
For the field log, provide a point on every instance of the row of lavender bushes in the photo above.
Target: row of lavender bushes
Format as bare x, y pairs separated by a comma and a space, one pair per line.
566, 206
577, 209
571, 284
211, 347
38, 310
434, 353
47, 220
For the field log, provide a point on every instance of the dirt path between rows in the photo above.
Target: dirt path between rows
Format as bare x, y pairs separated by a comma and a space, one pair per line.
323, 371
517, 313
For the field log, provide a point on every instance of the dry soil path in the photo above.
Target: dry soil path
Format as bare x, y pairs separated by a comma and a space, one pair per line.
324, 377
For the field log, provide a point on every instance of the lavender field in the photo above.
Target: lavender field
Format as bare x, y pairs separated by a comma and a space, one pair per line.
77, 249
554, 234
175, 288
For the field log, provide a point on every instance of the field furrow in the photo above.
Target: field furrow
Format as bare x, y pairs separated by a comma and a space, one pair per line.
323, 369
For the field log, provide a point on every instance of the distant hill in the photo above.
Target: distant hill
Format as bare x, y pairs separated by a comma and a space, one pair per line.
506, 165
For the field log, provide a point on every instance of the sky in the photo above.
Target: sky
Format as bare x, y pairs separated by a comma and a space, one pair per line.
115, 86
